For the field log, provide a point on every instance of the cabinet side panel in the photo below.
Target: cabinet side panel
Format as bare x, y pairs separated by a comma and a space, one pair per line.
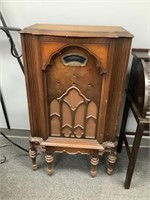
120, 62
34, 85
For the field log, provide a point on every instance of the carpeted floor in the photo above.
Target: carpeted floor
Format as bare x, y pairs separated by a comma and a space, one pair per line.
71, 179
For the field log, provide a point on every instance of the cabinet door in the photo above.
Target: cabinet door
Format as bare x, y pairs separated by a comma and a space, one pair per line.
74, 81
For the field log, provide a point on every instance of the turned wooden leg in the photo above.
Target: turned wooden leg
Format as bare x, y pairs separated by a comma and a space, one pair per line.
49, 159
94, 163
33, 155
111, 160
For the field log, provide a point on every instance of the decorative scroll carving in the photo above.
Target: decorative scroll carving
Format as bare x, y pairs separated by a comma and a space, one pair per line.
109, 144
36, 139
72, 152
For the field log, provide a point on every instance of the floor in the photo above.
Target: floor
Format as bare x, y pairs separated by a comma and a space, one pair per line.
71, 179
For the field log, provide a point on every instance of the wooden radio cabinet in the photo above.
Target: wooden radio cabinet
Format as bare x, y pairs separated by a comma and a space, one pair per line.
75, 79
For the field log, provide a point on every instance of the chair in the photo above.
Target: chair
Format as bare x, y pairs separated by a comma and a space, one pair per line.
138, 100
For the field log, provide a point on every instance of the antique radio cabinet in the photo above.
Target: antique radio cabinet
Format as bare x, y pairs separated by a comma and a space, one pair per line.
75, 79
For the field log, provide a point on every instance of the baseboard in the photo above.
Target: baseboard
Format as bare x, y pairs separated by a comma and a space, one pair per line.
145, 142
16, 132
25, 133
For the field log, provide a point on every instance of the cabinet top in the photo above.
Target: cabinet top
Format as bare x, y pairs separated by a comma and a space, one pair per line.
77, 31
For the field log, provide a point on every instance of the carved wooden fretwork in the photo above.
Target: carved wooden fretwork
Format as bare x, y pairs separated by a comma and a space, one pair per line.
73, 115
73, 106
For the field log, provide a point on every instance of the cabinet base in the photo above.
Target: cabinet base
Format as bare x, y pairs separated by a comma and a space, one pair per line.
74, 146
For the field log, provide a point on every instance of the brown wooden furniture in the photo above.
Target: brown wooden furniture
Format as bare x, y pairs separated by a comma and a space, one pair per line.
138, 99
75, 79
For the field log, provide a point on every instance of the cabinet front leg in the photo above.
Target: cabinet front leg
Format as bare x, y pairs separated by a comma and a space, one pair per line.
111, 160
33, 155
94, 163
49, 159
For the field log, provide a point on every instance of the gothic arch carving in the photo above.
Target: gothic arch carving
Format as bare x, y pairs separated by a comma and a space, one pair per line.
66, 48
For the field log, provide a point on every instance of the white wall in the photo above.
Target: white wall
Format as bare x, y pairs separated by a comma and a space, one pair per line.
133, 15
